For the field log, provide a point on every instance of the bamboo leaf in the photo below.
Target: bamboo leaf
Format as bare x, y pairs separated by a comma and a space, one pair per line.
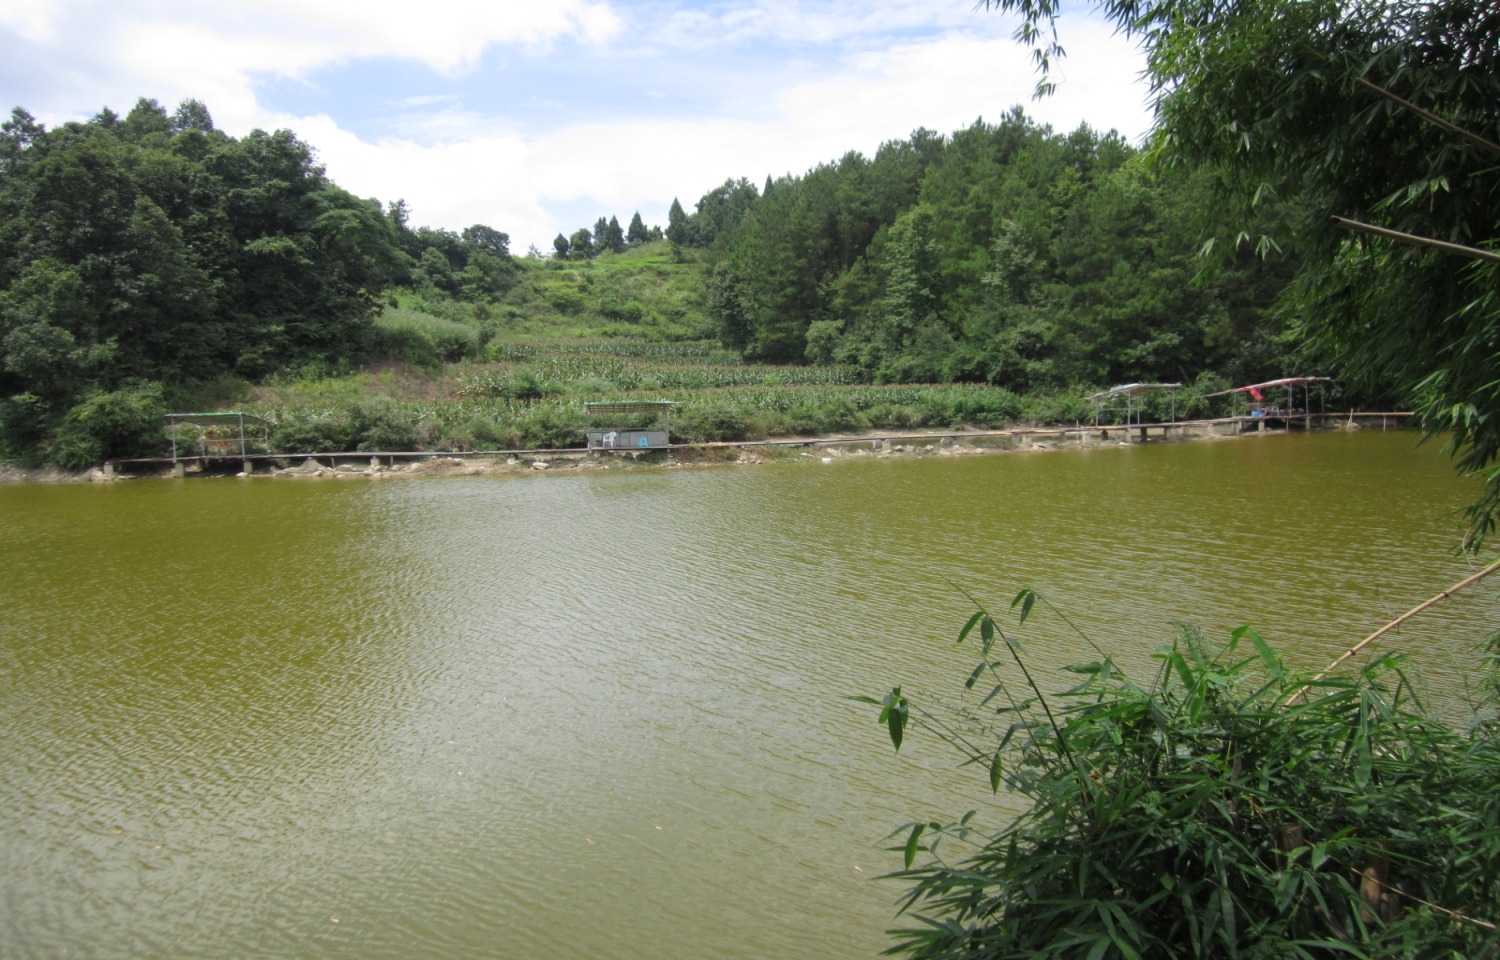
969, 684
912, 843
964, 633
996, 770
1026, 598
895, 717
1267, 656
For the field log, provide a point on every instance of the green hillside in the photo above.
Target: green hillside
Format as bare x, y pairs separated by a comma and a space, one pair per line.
643, 292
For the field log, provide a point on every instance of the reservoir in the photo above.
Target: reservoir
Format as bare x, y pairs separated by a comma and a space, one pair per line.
604, 715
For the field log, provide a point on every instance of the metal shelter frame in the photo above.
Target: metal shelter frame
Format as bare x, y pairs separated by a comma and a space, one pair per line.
1129, 392
201, 442
1291, 384
624, 438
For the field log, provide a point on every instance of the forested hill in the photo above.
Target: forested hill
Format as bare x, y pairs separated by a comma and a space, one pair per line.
140, 255
152, 250
1006, 253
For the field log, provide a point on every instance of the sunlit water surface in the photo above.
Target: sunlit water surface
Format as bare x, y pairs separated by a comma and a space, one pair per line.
603, 716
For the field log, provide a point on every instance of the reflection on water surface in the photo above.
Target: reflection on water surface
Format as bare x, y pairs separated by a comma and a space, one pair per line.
602, 715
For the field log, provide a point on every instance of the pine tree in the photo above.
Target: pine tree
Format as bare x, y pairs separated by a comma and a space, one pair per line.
679, 230
767, 191
637, 233
601, 233
677, 224
614, 237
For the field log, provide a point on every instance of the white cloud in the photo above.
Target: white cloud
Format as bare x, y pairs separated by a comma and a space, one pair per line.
31, 18
212, 49
942, 84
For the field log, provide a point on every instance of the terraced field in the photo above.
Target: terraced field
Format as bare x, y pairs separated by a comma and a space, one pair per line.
532, 394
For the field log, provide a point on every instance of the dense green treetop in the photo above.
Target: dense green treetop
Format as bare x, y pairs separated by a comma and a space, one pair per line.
1006, 253
637, 234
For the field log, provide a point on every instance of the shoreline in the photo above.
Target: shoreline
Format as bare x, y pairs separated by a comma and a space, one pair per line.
880, 446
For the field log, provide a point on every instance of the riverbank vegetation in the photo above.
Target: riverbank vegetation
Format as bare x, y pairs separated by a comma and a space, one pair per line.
1218, 804
153, 262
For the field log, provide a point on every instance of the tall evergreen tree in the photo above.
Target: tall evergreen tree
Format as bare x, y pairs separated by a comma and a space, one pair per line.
614, 237
677, 224
637, 234
560, 244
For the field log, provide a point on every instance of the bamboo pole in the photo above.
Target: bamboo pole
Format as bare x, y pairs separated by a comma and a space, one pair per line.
1474, 253
1432, 118
1397, 622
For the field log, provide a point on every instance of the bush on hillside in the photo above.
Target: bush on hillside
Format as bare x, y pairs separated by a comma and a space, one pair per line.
710, 423
122, 423
312, 434
422, 339
379, 424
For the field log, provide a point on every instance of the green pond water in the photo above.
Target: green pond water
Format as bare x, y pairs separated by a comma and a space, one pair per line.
603, 715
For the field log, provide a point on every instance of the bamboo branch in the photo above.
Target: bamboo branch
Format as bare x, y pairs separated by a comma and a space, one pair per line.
1461, 918
1474, 253
1397, 622
1432, 118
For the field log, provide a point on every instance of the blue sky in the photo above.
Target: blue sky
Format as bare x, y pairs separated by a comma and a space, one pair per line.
538, 116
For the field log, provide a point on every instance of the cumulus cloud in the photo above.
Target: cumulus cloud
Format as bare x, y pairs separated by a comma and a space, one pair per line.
215, 49
942, 84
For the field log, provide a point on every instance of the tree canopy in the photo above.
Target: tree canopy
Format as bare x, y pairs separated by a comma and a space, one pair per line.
155, 249
1006, 253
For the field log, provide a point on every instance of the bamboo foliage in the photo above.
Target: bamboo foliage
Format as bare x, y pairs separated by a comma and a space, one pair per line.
1199, 813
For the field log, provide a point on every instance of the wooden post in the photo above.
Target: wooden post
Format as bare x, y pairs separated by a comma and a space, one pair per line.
1289, 839
1374, 880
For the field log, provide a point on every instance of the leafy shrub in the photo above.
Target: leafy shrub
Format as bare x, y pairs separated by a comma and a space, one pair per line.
710, 423
423, 339
546, 426
312, 434
840, 415
627, 311
379, 424
892, 417
125, 423
991, 408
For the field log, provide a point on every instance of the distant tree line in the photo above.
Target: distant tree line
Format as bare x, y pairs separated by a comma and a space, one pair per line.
607, 236
1006, 253
151, 250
